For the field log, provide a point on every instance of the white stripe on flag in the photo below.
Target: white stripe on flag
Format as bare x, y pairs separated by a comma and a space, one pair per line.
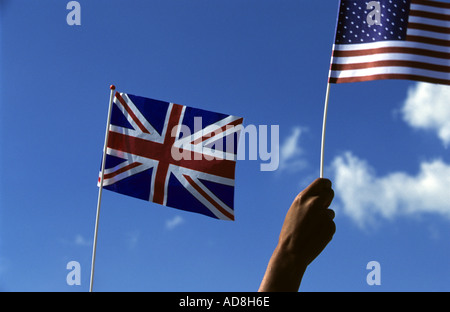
390, 57
389, 70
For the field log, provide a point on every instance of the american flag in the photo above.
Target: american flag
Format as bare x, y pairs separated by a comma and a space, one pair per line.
173, 155
392, 39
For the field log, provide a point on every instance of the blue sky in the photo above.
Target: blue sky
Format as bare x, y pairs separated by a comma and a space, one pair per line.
265, 60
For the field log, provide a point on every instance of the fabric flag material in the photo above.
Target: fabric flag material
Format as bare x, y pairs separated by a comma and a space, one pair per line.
173, 155
392, 39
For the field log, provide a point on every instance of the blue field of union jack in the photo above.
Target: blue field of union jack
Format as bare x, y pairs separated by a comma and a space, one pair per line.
173, 155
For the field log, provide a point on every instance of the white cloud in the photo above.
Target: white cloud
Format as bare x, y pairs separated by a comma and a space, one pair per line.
174, 222
290, 146
428, 107
365, 196
290, 152
81, 241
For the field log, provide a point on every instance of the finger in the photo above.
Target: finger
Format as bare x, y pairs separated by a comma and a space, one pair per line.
330, 213
328, 197
324, 198
326, 183
318, 186
331, 229
328, 225
318, 205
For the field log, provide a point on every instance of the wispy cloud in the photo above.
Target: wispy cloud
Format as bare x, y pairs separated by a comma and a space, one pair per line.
427, 107
291, 153
174, 222
366, 196
81, 241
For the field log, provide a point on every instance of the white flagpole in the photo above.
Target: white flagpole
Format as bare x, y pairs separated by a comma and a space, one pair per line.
324, 126
100, 189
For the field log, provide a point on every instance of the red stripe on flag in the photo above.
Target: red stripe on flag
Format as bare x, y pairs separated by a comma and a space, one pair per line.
208, 198
166, 155
435, 4
428, 40
426, 27
389, 76
152, 150
132, 115
217, 131
119, 171
391, 63
415, 51
431, 15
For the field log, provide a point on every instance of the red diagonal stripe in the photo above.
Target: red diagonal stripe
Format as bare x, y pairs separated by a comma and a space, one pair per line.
119, 171
130, 112
217, 131
208, 198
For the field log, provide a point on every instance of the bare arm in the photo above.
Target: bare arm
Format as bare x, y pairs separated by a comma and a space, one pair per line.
307, 229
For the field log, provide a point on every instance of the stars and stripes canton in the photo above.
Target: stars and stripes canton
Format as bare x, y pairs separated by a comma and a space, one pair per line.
392, 39
173, 155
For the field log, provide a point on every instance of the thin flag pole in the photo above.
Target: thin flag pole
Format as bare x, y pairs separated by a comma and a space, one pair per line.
325, 109
324, 126
100, 189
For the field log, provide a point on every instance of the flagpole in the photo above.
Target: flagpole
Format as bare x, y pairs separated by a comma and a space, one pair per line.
324, 126
100, 189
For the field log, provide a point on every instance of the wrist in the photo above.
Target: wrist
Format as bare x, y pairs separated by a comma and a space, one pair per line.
284, 272
289, 250
290, 258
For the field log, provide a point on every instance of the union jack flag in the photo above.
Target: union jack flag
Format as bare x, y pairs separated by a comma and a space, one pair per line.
173, 155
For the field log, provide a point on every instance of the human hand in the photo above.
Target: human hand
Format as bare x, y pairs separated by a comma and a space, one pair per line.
307, 229
309, 226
